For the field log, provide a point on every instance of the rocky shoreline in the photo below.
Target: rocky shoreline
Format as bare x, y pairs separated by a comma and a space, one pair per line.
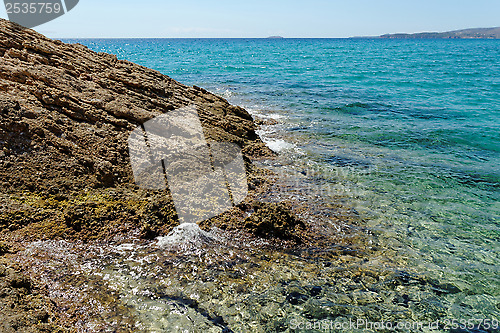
65, 115
77, 248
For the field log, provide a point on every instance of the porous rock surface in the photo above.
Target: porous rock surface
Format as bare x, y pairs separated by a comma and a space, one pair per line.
65, 116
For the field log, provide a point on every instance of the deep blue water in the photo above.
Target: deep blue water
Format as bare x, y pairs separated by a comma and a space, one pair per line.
407, 130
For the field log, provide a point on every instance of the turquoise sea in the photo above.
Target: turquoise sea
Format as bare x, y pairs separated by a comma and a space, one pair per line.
404, 132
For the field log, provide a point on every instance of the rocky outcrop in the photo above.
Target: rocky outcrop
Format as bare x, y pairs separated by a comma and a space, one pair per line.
65, 116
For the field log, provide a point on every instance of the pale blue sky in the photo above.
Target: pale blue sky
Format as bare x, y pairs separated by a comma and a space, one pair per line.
262, 18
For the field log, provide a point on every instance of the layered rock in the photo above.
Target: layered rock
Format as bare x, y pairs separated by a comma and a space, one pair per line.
65, 115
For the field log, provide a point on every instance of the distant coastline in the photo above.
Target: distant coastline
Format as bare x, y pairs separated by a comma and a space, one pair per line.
475, 33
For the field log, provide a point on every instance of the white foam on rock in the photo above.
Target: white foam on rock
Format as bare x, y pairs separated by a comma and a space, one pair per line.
125, 247
274, 116
279, 145
186, 233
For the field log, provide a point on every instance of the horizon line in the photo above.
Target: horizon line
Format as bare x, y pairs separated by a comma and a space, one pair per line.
271, 38
353, 37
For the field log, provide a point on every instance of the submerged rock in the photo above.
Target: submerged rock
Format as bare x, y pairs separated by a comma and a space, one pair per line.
23, 308
295, 298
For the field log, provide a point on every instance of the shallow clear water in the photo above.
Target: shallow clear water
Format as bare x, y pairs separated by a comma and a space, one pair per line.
407, 133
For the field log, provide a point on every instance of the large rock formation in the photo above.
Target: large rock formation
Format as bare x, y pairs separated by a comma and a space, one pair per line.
65, 116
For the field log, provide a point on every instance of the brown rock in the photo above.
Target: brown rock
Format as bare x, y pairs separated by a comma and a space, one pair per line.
275, 220
65, 116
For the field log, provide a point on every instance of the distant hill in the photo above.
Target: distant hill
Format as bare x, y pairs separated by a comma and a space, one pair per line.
476, 33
